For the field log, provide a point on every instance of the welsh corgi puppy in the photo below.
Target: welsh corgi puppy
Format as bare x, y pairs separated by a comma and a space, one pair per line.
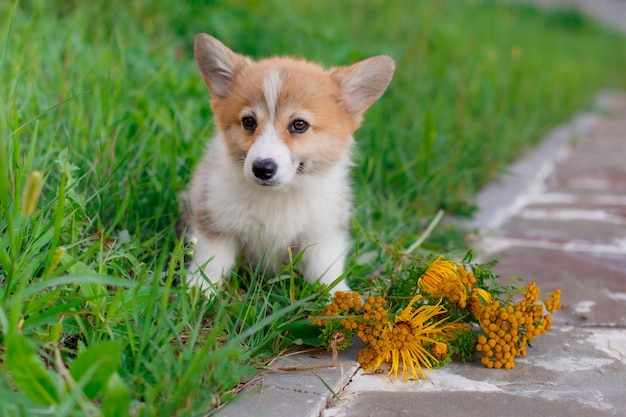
276, 174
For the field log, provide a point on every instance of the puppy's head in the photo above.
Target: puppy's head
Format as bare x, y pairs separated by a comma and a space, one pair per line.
282, 117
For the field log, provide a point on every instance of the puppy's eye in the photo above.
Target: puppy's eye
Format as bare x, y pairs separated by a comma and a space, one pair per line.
298, 126
248, 123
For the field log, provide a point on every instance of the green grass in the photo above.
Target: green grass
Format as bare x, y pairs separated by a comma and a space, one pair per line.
105, 100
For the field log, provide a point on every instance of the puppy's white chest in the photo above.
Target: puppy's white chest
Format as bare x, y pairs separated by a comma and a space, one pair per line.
267, 219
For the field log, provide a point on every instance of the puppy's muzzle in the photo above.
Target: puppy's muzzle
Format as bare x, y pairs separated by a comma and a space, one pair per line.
264, 169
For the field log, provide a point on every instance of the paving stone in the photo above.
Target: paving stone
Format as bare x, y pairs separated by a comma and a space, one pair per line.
464, 404
594, 231
568, 372
597, 161
581, 207
300, 393
593, 285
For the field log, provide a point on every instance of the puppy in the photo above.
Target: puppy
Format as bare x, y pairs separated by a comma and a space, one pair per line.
276, 174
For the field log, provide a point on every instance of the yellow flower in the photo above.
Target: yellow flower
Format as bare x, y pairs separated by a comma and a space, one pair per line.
554, 303
439, 271
343, 306
478, 299
439, 350
484, 295
442, 279
404, 340
373, 319
467, 277
508, 329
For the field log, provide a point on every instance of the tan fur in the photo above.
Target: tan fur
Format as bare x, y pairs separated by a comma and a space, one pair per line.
305, 86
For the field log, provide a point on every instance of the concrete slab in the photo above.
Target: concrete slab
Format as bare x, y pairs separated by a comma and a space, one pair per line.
568, 372
296, 385
597, 162
464, 404
595, 228
500, 199
593, 285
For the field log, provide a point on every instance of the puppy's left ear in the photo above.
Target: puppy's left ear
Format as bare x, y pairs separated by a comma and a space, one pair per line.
218, 64
364, 82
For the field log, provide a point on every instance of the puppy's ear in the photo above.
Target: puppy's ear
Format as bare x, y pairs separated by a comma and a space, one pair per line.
218, 64
364, 82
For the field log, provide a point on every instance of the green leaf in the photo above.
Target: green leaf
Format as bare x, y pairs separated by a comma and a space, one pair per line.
29, 372
97, 363
67, 168
55, 332
116, 402
77, 279
303, 331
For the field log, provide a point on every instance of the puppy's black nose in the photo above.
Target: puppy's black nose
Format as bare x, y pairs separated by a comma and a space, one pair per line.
264, 169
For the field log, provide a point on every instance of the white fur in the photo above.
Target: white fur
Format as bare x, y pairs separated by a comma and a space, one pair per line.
272, 84
308, 214
270, 146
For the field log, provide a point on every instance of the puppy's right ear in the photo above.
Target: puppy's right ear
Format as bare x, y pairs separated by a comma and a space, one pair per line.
218, 64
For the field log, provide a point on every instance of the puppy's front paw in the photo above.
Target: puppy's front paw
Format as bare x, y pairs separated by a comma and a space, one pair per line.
196, 278
212, 258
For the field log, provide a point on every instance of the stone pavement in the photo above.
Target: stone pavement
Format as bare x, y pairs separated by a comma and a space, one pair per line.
559, 218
